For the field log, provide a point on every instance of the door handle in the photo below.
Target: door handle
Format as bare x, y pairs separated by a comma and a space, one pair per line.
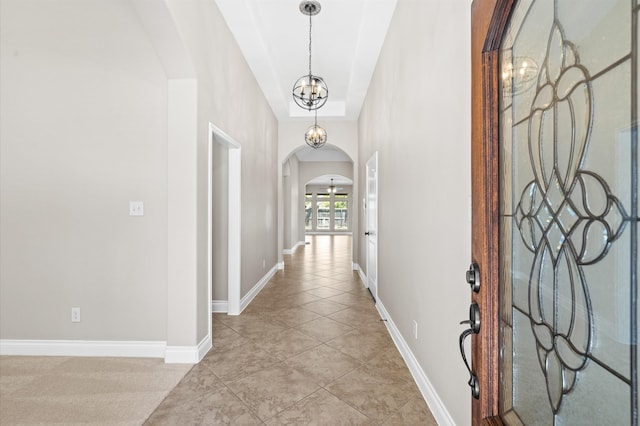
367, 233
474, 328
473, 277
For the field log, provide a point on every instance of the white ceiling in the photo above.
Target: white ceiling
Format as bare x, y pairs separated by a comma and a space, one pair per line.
328, 153
274, 38
338, 180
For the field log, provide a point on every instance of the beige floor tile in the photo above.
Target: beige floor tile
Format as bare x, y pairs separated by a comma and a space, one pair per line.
361, 344
324, 307
414, 412
320, 408
351, 298
224, 336
294, 316
254, 325
220, 407
323, 364
376, 397
272, 390
324, 329
357, 317
325, 292
231, 363
389, 363
285, 344
297, 299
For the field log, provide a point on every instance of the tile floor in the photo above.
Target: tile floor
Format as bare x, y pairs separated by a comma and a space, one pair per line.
310, 349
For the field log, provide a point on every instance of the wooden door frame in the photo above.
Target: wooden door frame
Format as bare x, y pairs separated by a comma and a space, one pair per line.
488, 21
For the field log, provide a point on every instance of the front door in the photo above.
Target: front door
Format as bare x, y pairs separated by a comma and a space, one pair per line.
555, 211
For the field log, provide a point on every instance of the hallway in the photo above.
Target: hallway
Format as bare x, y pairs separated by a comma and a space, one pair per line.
309, 349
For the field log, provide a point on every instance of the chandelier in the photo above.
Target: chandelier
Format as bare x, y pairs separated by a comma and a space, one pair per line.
332, 188
310, 91
315, 135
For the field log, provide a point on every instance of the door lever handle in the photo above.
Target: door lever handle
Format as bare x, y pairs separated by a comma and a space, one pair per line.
474, 328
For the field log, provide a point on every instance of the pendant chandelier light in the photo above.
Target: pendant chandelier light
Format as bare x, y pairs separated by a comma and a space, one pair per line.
310, 91
315, 135
332, 188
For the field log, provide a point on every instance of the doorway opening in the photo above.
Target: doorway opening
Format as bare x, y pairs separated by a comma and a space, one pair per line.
231, 174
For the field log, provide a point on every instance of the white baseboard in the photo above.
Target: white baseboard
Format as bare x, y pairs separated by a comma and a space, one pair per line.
188, 354
363, 277
244, 302
293, 249
222, 306
120, 349
204, 347
429, 394
131, 349
219, 306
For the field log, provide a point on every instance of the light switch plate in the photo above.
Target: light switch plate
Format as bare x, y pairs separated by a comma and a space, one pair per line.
136, 208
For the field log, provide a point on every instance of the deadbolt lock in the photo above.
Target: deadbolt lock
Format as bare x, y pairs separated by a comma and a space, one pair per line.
473, 277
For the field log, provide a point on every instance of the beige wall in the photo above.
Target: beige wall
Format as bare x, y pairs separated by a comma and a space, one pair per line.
84, 121
91, 106
230, 98
416, 115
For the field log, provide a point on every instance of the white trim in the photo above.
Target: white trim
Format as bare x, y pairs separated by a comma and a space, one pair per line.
361, 273
293, 249
204, 346
256, 288
181, 355
233, 215
437, 407
355, 266
219, 306
133, 349
187, 354
210, 227
280, 265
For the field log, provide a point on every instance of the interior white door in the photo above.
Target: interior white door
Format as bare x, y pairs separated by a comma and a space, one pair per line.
371, 234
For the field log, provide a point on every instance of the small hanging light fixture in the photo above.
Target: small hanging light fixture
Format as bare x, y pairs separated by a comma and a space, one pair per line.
332, 188
310, 91
315, 135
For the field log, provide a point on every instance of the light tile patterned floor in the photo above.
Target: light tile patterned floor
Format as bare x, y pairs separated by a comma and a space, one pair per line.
309, 350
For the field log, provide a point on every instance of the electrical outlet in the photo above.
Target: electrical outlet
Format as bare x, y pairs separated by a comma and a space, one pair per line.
75, 314
264, 263
415, 330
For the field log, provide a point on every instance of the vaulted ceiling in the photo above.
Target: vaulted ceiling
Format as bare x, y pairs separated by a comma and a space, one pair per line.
346, 39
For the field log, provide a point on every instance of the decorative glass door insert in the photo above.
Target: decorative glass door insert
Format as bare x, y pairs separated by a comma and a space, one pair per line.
569, 213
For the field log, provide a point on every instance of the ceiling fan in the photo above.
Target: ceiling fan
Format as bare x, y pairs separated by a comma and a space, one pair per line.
332, 188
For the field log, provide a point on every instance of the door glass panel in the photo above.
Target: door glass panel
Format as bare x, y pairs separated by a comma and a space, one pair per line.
341, 212
569, 213
308, 209
323, 215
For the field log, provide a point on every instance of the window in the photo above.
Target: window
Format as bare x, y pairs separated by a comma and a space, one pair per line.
326, 212
323, 216
341, 212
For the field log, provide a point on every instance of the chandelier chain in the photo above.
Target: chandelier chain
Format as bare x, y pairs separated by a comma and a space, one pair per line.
310, 45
